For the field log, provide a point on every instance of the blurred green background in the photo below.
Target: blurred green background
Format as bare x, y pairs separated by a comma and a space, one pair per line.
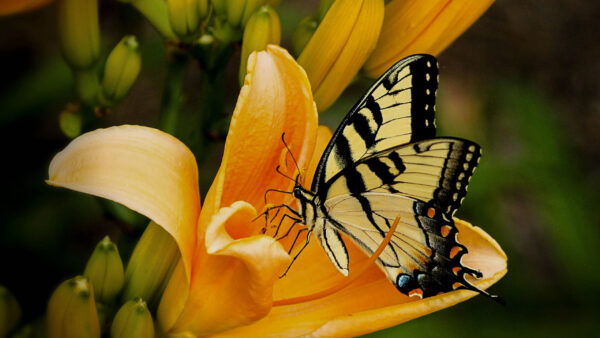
522, 82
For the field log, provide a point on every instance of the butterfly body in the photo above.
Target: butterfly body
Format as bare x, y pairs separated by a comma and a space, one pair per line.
382, 162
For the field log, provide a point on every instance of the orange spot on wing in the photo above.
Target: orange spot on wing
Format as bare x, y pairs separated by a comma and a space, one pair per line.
416, 292
430, 212
456, 285
456, 269
445, 230
454, 251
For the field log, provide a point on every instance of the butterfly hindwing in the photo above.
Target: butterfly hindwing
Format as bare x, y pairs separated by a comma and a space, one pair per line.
423, 183
397, 109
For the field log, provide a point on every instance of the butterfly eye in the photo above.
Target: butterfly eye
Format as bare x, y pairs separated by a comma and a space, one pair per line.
297, 192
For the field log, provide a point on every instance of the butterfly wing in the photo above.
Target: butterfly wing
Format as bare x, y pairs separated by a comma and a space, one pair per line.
423, 183
397, 109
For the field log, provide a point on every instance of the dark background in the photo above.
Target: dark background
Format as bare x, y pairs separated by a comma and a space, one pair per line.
522, 82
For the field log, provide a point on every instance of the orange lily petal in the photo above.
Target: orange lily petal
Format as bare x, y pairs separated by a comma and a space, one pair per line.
275, 99
10, 7
412, 27
372, 303
142, 168
234, 281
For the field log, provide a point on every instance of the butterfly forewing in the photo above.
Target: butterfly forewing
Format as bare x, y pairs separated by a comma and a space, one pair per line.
397, 109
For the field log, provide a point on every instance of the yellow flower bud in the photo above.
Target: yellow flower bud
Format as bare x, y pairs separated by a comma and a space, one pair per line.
185, 18
10, 311
339, 47
305, 30
151, 265
121, 70
412, 27
133, 320
238, 12
72, 310
104, 270
70, 121
262, 29
79, 32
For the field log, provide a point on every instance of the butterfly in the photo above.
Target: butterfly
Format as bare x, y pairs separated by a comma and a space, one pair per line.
384, 161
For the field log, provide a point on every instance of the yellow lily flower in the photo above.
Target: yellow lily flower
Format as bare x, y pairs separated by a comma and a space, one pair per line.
11, 7
227, 282
339, 47
417, 27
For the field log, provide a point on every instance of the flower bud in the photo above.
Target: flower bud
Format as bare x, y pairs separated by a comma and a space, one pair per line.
428, 27
238, 12
262, 29
10, 311
185, 17
156, 13
70, 121
133, 320
79, 32
72, 310
151, 265
104, 270
121, 70
305, 30
344, 39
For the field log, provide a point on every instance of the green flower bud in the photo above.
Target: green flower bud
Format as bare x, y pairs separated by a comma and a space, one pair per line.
151, 265
185, 18
104, 270
220, 7
79, 32
235, 10
70, 121
133, 320
121, 70
10, 311
262, 29
305, 30
203, 8
323, 8
157, 14
72, 310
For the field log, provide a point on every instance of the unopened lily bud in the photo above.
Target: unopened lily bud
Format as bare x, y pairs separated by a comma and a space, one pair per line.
104, 270
219, 7
79, 32
121, 70
323, 8
305, 30
262, 29
203, 7
70, 121
185, 18
151, 265
72, 310
10, 311
133, 320
156, 13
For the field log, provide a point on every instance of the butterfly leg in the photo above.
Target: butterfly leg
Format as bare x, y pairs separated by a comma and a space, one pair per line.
299, 252
295, 221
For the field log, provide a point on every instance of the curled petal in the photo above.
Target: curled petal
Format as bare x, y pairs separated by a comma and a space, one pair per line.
233, 284
275, 100
371, 302
412, 27
142, 168
339, 47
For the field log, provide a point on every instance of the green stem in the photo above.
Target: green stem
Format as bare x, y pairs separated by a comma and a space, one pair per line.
173, 92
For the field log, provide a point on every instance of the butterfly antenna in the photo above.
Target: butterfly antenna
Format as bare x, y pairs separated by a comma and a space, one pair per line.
290, 151
284, 175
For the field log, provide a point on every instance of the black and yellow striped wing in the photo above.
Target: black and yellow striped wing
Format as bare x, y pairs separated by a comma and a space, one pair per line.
397, 109
423, 183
